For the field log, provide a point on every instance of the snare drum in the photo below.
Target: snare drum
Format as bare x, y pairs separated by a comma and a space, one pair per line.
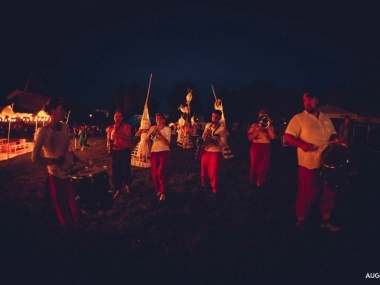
335, 159
92, 188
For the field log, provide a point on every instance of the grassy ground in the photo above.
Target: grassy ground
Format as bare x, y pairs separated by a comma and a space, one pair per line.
239, 236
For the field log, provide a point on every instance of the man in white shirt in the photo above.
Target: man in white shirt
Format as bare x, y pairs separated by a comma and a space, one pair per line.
311, 131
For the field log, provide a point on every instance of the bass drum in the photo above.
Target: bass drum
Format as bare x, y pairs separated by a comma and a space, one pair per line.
92, 188
335, 168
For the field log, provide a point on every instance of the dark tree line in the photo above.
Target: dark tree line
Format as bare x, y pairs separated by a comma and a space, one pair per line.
239, 105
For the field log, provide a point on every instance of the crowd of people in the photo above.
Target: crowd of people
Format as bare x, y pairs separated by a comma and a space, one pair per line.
309, 131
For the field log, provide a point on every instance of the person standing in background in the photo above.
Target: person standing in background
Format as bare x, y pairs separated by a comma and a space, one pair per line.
344, 130
121, 138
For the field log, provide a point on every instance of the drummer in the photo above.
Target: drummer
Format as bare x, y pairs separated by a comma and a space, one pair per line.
311, 131
53, 139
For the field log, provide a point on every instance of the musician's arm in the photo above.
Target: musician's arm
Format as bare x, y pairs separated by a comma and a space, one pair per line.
166, 135
147, 139
253, 131
138, 133
297, 142
222, 141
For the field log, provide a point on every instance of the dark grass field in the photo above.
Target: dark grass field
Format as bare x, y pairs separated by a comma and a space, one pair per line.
237, 237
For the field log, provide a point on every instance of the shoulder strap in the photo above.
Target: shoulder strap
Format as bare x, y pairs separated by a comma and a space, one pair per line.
213, 133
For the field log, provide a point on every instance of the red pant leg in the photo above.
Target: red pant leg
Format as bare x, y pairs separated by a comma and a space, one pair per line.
263, 156
63, 196
253, 161
204, 168
154, 164
160, 166
210, 168
309, 186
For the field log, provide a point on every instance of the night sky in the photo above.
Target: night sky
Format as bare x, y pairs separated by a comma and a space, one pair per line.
87, 50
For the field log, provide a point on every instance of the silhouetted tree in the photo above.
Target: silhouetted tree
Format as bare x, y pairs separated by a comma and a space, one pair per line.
130, 99
337, 97
256, 96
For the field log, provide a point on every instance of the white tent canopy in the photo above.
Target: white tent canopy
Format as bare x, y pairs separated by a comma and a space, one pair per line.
8, 111
336, 113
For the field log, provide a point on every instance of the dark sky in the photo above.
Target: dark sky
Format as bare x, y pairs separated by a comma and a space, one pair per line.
85, 49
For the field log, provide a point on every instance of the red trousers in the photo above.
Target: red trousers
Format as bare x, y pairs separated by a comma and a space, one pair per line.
312, 189
260, 157
62, 195
211, 163
160, 167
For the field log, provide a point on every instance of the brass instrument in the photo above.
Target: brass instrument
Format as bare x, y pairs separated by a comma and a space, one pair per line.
153, 135
201, 142
264, 121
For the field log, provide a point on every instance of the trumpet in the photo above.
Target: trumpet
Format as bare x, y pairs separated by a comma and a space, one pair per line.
264, 121
153, 135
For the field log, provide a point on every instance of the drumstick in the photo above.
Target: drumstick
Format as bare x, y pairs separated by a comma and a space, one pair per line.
326, 143
213, 91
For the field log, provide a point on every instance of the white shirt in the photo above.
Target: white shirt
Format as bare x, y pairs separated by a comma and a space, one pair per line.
54, 144
219, 134
158, 144
310, 129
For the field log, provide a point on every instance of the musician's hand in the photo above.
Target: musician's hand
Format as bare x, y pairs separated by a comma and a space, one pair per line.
58, 161
307, 147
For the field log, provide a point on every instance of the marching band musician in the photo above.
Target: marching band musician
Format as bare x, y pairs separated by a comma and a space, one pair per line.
53, 139
259, 152
120, 137
215, 138
310, 131
159, 155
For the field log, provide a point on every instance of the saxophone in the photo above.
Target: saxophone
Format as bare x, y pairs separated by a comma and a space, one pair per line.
201, 142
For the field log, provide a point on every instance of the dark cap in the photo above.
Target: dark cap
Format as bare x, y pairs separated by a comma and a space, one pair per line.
309, 94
